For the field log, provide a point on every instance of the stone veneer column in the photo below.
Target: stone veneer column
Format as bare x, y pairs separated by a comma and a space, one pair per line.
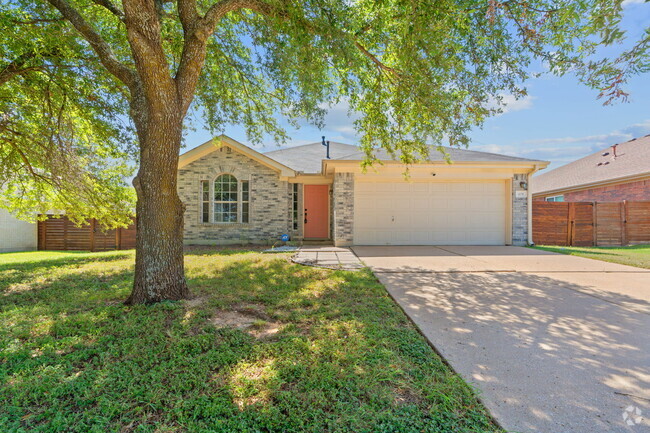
519, 211
343, 209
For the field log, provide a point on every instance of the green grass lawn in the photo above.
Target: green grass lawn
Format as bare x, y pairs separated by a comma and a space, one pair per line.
635, 255
307, 350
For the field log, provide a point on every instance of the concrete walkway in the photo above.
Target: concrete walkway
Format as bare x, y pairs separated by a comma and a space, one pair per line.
554, 343
328, 257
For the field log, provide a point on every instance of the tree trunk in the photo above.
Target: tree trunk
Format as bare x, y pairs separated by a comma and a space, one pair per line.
159, 268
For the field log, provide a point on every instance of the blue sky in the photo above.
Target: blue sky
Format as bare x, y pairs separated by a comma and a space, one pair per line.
559, 121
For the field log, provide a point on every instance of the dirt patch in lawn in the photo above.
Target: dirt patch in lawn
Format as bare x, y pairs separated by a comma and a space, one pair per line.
247, 317
405, 396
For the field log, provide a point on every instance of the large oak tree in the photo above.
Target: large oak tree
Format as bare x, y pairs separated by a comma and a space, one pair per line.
415, 72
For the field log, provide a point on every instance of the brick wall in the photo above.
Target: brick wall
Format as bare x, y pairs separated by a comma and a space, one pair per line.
519, 212
631, 191
343, 209
270, 200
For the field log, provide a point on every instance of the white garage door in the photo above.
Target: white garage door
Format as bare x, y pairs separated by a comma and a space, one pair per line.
431, 213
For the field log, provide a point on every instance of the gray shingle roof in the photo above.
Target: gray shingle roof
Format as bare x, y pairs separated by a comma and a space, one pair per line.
308, 158
633, 158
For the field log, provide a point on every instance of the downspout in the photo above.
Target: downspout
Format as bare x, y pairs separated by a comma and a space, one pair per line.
530, 203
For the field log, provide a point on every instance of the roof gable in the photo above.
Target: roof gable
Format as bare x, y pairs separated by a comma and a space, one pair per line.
632, 160
223, 140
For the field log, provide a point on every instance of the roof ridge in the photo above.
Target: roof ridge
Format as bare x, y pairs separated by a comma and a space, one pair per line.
308, 144
489, 153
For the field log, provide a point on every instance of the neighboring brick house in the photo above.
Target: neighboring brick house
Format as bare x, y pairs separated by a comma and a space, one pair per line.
234, 194
620, 172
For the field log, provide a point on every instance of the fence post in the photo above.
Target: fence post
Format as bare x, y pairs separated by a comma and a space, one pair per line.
118, 238
594, 219
570, 222
65, 233
92, 235
44, 235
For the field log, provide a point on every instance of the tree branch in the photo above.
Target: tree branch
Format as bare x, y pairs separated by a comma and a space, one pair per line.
197, 31
187, 14
101, 48
376, 61
108, 5
17, 67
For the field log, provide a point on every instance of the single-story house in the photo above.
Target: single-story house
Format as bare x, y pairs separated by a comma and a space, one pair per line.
617, 173
15, 234
234, 194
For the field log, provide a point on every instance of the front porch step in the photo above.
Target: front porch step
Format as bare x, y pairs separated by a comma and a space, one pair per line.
321, 242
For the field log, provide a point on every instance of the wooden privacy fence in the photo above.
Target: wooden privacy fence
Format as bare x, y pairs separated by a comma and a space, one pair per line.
591, 223
62, 234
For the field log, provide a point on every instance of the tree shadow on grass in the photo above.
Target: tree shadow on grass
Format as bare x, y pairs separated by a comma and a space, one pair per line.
345, 358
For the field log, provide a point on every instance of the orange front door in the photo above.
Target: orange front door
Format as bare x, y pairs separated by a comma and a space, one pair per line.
316, 211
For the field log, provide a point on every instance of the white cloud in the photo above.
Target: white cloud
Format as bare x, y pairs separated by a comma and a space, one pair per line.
509, 103
632, 2
512, 104
562, 150
340, 120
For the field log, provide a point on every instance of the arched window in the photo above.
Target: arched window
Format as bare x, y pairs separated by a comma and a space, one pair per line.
225, 199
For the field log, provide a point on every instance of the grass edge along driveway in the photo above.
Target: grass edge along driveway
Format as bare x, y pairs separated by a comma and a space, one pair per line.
633, 255
265, 346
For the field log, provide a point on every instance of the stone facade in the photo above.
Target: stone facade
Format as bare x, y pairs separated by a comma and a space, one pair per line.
519, 211
343, 209
270, 213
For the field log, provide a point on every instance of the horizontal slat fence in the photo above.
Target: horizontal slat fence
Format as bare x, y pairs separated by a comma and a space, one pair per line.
63, 235
591, 223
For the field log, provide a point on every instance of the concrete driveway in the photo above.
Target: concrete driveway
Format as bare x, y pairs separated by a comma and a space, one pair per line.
554, 343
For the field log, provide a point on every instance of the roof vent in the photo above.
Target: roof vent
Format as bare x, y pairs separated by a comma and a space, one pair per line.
327, 145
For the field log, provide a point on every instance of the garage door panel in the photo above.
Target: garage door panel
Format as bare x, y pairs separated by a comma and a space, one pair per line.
429, 213
420, 219
438, 187
460, 204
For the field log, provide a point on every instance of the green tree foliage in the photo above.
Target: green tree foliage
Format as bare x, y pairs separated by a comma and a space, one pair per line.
62, 138
416, 71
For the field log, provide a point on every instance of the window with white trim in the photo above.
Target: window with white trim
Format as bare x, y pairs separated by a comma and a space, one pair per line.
245, 198
555, 198
205, 201
225, 199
